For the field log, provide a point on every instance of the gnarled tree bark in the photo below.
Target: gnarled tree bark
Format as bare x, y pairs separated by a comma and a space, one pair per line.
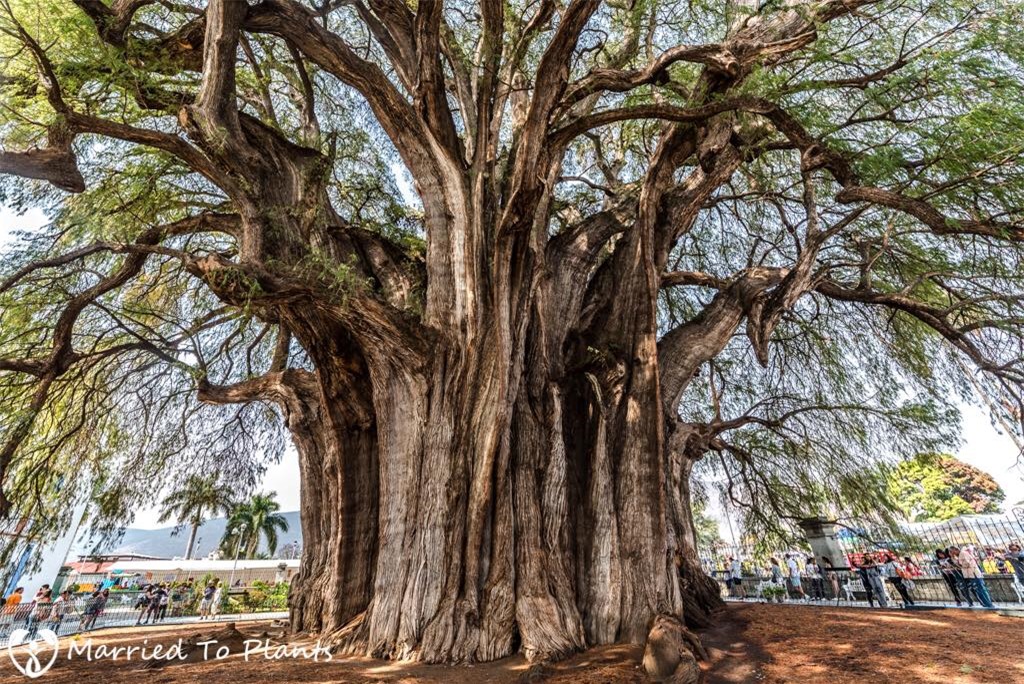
490, 451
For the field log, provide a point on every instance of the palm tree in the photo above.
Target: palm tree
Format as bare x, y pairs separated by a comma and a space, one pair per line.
249, 522
192, 503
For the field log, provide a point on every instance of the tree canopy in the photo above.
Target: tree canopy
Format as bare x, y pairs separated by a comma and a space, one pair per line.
528, 264
933, 487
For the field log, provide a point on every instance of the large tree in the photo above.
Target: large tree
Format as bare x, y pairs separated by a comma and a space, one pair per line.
508, 272
940, 487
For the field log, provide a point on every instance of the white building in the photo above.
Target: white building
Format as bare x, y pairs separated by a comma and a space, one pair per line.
229, 572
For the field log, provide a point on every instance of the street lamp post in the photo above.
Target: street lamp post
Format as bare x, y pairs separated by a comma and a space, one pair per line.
238, 548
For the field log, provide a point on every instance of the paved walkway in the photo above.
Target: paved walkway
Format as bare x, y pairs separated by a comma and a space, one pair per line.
843, 603
70, 628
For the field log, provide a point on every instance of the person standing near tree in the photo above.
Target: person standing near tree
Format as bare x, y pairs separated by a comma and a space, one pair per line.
1015, 557
953, 577
775, 570
215, 600
793, 577
165, 600
94, 609
62, 605
872, 577
142, 602
152, 606
204, 604
736, 578
968, 563
814, 578
862, 573
40, 609
10, 609
896, 575
831, 575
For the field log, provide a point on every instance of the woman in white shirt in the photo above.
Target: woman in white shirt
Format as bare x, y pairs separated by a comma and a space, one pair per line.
973, 576
215, 602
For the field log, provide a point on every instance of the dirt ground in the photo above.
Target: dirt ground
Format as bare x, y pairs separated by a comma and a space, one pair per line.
750, 643
811, 644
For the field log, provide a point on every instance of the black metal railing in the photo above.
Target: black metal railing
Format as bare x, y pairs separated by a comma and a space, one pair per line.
990, 535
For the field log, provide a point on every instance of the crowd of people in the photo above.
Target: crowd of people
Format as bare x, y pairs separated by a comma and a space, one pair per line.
154, 600
806, 579
874, 569
51, 610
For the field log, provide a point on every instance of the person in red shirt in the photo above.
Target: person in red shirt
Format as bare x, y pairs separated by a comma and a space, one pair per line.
912, 568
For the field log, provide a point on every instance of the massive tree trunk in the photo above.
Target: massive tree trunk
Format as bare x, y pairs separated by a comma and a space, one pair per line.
490, 492
485, 431
448, 528
491, 451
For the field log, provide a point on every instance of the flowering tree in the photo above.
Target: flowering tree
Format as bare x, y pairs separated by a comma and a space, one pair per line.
940, 487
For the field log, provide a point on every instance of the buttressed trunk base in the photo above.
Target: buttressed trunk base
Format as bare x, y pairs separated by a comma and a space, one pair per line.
446, 526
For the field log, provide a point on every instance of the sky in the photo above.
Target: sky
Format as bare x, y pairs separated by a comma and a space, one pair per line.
983, 446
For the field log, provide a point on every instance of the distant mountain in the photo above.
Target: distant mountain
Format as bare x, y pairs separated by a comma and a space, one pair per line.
165, 543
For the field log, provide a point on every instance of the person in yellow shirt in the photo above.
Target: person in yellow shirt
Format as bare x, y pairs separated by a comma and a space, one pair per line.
10, 609
988, 563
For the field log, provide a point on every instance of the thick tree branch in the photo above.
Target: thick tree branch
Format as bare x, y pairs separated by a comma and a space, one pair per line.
275, 386
297, 24
684, 349
934, 317
715, 56
112, 21
392, 24
430, 96
215, 110
924, 212
57, 166
209, 222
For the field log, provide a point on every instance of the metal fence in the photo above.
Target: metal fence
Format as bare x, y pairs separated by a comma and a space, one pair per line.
240, 577
85, 612
989, 534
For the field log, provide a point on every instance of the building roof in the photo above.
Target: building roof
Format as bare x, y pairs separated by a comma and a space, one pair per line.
200, 565
90, 567
110, 557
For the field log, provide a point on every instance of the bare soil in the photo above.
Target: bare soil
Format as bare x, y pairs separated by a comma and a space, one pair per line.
750, 643
811, 644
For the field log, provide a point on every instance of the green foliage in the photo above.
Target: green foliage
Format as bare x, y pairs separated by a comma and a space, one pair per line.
705, 526
930, 487
261, 597
921, 98
251, 521
198, 498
